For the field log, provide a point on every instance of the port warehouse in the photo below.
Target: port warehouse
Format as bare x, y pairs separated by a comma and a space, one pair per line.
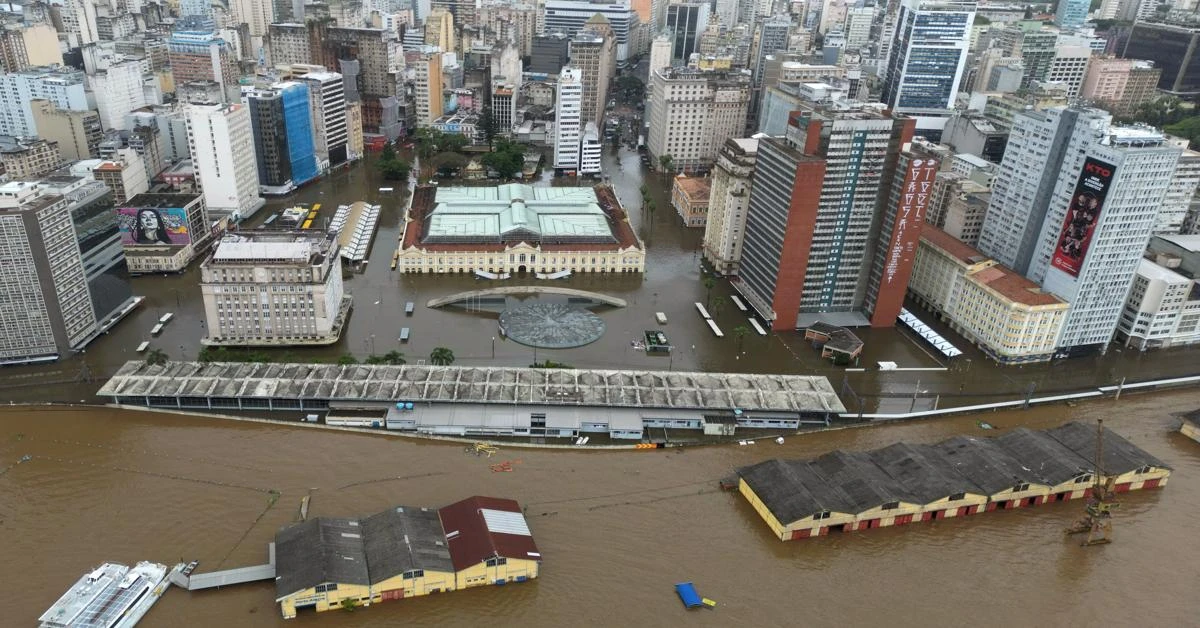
1191, 425
328, 563
492, 401
904, 483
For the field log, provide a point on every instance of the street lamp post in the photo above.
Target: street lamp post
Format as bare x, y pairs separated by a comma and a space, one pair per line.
493, 347
372, 344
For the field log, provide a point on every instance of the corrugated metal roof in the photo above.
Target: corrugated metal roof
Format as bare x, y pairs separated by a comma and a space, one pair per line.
505, 522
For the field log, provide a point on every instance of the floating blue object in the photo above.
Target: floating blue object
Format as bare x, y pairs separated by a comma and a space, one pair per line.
408, 406
399, 405
687, 594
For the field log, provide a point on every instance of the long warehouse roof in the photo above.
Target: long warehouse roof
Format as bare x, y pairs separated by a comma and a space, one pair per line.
466, 384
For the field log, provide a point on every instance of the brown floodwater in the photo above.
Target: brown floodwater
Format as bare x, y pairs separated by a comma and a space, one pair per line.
617, 529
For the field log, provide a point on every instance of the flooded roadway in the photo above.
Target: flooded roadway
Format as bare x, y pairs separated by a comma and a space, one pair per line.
617, 529
672, 282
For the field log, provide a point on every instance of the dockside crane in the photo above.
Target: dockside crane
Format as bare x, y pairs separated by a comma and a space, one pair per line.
1097, 523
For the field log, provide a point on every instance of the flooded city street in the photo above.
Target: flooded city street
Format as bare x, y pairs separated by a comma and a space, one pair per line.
616, 529
671, 284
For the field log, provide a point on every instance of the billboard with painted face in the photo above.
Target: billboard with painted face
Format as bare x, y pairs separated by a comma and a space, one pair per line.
1082, 215
153, 225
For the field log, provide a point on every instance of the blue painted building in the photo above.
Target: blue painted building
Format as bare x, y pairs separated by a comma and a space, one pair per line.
281, 119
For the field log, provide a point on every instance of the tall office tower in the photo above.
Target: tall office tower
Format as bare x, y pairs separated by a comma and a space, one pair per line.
27, 45
199, 53
550, 53
1071, 14
274, 289
903, 216
78, 133
1103, 210
1120, 85
692, 113
858, 27
568, 119
427, 86
660, 52
727, 12
289, 44
1180, 195
928, 60
570, 16
1069, 66
283, 137
593, 53
504, 97
439, 30
770, 38
728, 199
327, 102
222, 143
516, 23
1025, 182
685, 22
47, 310
1174, 48
118, 90
61, 86
1034, 44
372, 61
195, 7
810, 257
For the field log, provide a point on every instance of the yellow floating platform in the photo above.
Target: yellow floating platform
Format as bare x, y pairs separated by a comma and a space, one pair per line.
709, 603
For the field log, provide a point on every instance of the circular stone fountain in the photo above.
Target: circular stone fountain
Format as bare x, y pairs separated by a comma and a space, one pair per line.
551, 325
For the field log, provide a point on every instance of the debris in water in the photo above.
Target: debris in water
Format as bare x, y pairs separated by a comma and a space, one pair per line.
779, 440
984, 425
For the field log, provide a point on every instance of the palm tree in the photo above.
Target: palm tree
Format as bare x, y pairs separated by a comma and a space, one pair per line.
347, 360
666, 161
156, 357
441, 356
709, 284
718, 304
394, 358
740, 332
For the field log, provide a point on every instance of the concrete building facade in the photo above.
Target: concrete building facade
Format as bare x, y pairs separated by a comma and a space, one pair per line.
593, 53
222, 147
62, 86
689, 197
692, 113
568, 119
927, 61
728, 203
276, 289
78, 133
327, 102
24, 159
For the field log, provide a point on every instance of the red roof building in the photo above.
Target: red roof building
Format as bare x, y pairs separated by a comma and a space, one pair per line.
480, 530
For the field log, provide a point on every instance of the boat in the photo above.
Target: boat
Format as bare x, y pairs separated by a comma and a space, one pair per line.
687, 594
661, 318
110, 595
142, 347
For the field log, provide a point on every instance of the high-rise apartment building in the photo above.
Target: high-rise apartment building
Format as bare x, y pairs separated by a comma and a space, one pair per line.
1069, 66
728, 201
858, 27
928, 59
1034, 44
593, 53
274, 289
590, 149
283, 137
45, 308
78, 133
26, 45
28, 158
1120, 85
692, 113
124, 173
118, 90
222, 147
550, 53
1095, 232
62, 86
327, 102
1071, 14
427, 84
199, 54
289, 44
1185, 182
570, 16
832, 232
1025, 183
568, 119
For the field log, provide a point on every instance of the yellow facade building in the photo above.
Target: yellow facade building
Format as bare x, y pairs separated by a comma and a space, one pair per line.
689, 197
328, 563
1009, 317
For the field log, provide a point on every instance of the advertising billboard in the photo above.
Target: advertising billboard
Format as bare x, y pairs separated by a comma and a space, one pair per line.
1082, 216
153, 225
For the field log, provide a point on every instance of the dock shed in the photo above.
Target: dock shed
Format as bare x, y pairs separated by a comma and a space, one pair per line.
489, 542
941, 489
1068, 474
1128, 466
1006, 482
878, 499
794, 500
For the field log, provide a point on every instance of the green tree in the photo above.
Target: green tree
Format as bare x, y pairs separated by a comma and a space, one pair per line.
740, 332
487, 122
631, 89
156, 357
1188, 128
394, 358
1160, 112
666, 161
709, 284
346, 359
507, 158
441, 356
718, 304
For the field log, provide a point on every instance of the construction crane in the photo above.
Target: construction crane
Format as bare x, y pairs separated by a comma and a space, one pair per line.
1097, 523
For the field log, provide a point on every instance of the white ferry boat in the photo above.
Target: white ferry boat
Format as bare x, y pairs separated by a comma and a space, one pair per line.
110, 595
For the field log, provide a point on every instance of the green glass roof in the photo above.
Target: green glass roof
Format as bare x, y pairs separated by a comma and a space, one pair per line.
517, 210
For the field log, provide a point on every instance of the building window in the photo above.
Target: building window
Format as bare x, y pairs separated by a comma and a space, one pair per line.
493, 562
890, 506
321, 588
414, 573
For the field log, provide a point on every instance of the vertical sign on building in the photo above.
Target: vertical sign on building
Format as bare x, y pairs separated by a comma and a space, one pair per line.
1082, 215
913, 200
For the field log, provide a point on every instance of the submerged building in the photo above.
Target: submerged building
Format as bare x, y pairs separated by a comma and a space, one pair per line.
904, 483
517, 228
332, 563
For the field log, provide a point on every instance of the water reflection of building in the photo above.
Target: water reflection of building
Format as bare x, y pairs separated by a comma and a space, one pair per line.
61, 281
516, 228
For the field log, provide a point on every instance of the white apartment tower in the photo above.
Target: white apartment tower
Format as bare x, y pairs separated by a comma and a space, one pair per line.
118, 90
590, 149
327, 102
568, 115
61, 86
1179, 198
692, 113
728, 200
222, 147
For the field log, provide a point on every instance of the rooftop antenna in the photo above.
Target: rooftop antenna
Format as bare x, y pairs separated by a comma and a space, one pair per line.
1097, 523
